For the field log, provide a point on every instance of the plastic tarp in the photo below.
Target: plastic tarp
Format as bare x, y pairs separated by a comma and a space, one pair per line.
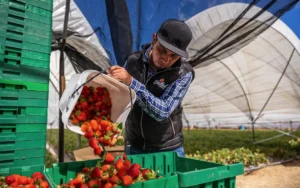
244, 56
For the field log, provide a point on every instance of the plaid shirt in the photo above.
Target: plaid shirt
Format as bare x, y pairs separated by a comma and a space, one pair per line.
160, 108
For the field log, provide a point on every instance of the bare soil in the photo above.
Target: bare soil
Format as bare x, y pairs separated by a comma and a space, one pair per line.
280, 176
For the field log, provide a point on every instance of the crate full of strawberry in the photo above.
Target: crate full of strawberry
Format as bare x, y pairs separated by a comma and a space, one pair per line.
115, 172
94, 96
36, 180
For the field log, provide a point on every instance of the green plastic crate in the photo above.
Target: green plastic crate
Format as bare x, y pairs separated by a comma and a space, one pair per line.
23, 128
22, 154
26, 57
17, 28
24, 170
22, 162
25, 74
9, 18
21, 141
25, 115
31, 86
25, 37
45, 4
25, 45
25, 11
20, 62
162, 163
12, 90
198, 174
19, 102
22, 145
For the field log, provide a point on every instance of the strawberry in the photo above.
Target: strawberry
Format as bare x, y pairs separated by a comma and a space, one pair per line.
82, 116
148, 174
114, 180
108, 185
23, 180
109, 158
97, 104
44, 184
105, 167
99, 133
84, 105
134, 171
85, 170
78, 106
89, 134
90, 101
113, 141
135, 165
124, 156
75, 121
86, 126
30, 180
97, 150
101, 140
84, 186
104, 176
9, 180
80, 178
119, 164
122, 173
93, 143
127, 164
116, 128
75, 183
127, 180
14, 184
96, 173
94, 125
93, 184
16, 176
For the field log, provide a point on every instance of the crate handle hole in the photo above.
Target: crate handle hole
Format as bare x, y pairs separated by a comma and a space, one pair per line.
14, 40
16, 17
9, 98
11, 73
16, 25
16, 9
18, 2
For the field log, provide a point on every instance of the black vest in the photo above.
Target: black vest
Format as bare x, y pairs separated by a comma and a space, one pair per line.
143, 131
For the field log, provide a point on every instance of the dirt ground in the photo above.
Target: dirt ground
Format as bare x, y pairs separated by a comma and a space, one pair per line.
279, 176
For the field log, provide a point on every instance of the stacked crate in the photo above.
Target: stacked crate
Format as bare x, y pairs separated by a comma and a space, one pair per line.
25, 46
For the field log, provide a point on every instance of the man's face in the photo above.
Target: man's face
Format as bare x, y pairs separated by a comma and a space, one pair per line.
162, 57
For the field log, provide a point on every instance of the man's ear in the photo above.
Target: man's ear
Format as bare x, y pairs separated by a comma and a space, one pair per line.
154, 38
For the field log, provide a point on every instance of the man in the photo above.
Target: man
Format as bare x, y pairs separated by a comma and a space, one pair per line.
160, 77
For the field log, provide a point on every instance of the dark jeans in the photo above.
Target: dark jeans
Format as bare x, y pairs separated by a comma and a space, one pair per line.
132, 151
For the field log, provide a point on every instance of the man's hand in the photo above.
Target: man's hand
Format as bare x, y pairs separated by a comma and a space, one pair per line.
119, 73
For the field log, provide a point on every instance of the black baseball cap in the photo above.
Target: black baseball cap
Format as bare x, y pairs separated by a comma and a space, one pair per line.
175, 35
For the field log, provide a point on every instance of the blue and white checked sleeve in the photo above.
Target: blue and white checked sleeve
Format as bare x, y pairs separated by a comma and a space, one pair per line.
161, 108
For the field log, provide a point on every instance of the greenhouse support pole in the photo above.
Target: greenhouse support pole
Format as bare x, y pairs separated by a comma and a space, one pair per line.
253, 132
62, 83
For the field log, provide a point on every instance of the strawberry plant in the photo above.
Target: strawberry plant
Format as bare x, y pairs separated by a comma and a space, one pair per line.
227, 156
295, 144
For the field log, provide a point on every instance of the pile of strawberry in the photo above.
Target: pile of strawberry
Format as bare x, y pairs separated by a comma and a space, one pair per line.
93, 103
109, 174
101, 132
37, 180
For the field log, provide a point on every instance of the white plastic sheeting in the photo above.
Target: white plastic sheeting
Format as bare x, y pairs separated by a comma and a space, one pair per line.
217, 94
231, 90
